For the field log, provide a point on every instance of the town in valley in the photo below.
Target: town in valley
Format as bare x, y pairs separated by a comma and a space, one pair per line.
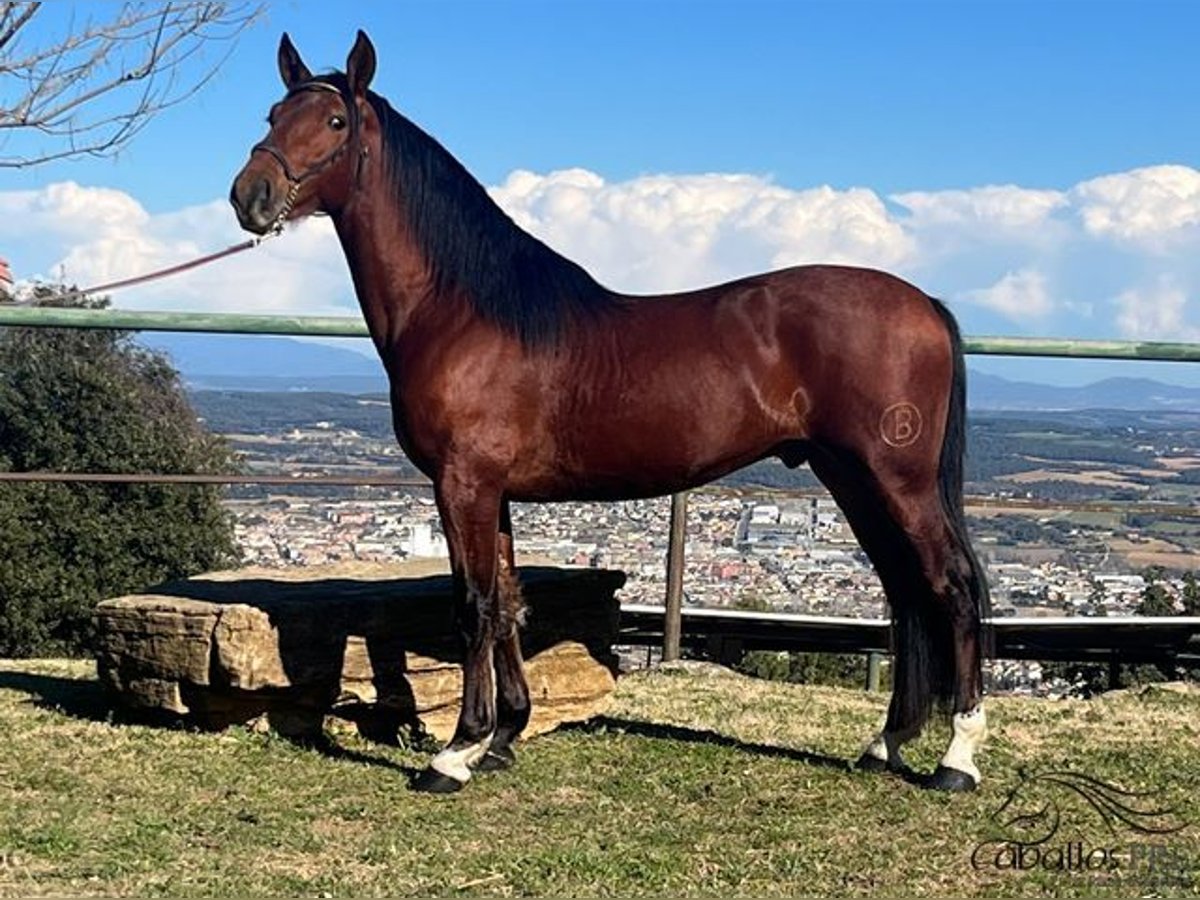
1047, 549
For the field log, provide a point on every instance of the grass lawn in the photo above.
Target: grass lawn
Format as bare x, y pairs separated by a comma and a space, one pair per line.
694, 784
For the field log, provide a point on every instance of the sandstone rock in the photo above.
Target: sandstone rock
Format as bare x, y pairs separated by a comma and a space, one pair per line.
353, 641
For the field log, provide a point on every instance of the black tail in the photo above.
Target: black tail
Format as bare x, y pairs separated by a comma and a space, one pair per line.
925, 673
950, 466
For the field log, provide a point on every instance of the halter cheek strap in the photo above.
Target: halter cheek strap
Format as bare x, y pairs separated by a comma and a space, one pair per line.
294, 179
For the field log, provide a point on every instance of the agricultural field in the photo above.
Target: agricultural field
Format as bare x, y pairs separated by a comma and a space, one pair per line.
1136, 464
696, 782
1100, 455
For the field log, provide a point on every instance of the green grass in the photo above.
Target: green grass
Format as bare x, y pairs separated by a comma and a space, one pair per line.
692, 784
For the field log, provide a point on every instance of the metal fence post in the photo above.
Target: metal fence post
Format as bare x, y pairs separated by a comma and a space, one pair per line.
874, 661
1114, 671
673, 616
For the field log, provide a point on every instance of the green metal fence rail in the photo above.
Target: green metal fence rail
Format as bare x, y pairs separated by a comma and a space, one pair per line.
354, 326
210, 323
1069, 348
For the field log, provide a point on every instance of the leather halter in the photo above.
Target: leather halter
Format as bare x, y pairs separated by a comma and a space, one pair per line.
294, 179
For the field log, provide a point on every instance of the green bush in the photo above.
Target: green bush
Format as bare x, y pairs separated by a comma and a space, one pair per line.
95, 401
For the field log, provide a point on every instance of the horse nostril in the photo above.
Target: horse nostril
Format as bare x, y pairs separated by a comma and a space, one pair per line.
260, 195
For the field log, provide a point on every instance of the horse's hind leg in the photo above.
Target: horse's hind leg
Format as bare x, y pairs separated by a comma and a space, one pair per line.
954, 579
930, 577
893, 556
966, 604
512, 690
943, 627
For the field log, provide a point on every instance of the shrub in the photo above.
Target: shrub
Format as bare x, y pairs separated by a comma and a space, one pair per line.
96, 401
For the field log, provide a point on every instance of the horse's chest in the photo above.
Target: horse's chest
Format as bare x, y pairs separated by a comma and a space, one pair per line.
419, 434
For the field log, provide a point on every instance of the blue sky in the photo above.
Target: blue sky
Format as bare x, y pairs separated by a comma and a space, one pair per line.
1035, 164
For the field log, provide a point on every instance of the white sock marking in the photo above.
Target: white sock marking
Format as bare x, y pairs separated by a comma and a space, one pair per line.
457, 764
970, 728
886, 745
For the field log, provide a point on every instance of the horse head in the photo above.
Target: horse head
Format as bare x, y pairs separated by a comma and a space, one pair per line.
319, 137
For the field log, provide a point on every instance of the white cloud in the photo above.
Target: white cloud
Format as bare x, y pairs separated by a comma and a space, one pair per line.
1019, 296
1148, 204
1006, 225
670, 232
90, 236
1157, 312
1007, 253
994, 206
69, 210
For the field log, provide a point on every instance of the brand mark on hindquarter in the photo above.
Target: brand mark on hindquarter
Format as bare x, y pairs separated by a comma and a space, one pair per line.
900, 424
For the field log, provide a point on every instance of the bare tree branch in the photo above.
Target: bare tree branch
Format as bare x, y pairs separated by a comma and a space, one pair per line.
12, 17
71, 89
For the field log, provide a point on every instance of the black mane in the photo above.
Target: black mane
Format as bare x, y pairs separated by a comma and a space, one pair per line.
510, 277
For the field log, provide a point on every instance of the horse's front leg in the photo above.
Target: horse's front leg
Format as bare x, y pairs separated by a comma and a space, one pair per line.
512, 690
470, 511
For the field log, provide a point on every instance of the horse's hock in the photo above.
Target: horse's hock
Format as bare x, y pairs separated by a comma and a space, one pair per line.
352, 641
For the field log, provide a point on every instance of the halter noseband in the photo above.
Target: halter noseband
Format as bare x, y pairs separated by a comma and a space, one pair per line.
296, 180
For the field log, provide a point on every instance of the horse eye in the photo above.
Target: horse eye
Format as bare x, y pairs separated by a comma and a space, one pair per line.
337, 123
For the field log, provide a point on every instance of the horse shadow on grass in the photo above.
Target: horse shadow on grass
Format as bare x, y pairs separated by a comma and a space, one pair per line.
312, 651
86, 699
683, 734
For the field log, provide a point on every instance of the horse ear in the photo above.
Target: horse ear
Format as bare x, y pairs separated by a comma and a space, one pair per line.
360, 65
291, 67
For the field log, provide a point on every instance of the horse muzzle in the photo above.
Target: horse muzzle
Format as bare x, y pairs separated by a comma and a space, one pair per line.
259, 204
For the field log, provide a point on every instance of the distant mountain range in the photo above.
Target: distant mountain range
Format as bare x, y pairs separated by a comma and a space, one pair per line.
1141, 394
247, 363
250, 363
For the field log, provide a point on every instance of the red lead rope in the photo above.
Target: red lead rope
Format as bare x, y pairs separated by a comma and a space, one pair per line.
168, 271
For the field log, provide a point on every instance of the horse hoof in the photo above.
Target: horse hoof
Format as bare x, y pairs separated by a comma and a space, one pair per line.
496, 760
431, 781
946, 779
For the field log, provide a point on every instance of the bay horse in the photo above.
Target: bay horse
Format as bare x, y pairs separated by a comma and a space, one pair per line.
516, 376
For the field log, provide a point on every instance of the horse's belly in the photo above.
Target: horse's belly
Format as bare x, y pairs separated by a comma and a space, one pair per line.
624, 456
654, 416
